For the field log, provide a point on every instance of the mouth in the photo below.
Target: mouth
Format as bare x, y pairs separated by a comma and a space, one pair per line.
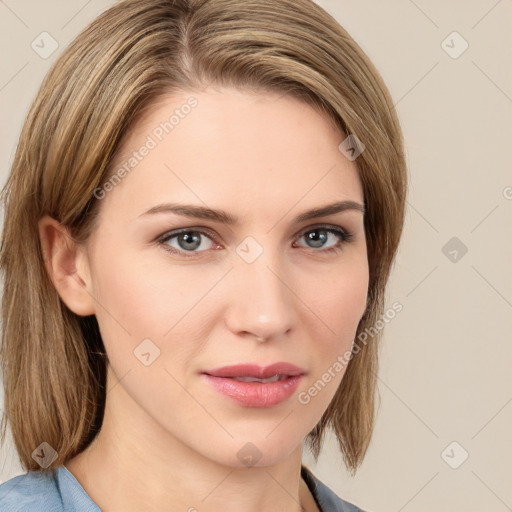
248, 378
251, 385
276, 371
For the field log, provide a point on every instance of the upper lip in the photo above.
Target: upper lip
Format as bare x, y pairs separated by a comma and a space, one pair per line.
254, 370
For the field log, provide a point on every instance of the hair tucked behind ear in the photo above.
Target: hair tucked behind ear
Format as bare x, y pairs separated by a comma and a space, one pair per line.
53, 361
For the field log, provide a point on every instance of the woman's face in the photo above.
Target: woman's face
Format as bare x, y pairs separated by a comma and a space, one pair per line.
263, 289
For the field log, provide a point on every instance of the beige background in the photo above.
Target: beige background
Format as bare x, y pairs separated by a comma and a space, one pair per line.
446, 358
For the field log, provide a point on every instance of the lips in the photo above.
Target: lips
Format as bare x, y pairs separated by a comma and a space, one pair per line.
255, 386
256, 372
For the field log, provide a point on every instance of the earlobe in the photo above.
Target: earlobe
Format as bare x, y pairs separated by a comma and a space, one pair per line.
67, 266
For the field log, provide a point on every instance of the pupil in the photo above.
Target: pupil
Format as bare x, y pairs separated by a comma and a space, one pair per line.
322, 237
190, 239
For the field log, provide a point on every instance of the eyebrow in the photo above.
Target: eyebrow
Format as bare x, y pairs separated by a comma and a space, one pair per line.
201, 212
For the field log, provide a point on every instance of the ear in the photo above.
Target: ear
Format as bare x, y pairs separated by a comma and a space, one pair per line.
67, 265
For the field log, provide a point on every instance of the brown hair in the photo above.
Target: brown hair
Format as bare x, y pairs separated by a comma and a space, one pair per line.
53, 361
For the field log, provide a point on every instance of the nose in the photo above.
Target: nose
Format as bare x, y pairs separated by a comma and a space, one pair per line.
261, 302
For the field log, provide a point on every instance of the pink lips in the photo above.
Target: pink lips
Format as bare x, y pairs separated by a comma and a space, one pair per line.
256, 394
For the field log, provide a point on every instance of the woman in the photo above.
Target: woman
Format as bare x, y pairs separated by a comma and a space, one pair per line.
201, 217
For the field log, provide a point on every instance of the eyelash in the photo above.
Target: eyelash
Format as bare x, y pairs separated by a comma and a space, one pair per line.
345, 238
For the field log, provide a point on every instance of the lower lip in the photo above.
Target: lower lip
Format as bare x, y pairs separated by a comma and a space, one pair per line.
256, 394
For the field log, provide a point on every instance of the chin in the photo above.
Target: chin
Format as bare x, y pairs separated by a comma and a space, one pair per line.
256, 452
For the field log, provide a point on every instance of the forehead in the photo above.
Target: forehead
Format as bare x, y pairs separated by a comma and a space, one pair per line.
236, 150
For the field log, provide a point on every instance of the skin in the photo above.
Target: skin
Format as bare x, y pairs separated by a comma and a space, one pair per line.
169, 441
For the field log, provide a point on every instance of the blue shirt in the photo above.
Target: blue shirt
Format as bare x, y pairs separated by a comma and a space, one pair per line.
36, 491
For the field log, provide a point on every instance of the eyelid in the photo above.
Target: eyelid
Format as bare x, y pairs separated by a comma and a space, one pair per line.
325, 226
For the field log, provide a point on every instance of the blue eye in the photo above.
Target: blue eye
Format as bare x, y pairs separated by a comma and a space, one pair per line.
190, 240
320, 235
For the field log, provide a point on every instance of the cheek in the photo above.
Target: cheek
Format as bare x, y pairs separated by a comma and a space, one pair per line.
338, 304
140, 299
339, 299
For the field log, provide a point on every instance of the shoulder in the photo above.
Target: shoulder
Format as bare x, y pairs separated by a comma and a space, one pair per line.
33, 491
326, 498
